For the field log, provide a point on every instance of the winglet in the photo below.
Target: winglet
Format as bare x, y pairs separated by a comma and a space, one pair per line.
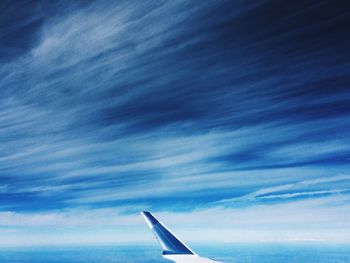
170, 243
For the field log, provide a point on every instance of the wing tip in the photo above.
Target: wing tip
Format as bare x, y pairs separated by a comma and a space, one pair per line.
149, 218
171, 244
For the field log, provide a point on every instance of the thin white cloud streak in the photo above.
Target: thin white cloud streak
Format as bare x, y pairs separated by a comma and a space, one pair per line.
268, 193
305, 183
305, 194
174, 183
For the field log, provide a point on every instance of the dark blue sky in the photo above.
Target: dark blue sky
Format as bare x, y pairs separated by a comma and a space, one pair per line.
173, 106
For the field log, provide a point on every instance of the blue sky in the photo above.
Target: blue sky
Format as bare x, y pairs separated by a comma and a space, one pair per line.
196, 110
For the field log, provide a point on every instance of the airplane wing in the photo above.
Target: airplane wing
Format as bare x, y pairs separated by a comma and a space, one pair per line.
173, 248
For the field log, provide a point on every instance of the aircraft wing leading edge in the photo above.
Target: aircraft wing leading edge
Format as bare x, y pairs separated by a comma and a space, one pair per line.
173, 248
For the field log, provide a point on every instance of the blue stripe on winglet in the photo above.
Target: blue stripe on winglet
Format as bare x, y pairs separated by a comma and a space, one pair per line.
151, 218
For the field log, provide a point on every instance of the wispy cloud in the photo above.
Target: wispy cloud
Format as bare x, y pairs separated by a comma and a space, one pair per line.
298, 189
171, 106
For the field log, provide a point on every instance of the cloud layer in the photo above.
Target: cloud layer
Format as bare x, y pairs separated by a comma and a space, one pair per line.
174, 106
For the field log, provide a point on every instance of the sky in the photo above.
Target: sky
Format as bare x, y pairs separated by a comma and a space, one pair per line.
228, 119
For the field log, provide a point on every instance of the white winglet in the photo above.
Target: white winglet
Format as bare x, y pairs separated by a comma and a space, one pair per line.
173, 248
